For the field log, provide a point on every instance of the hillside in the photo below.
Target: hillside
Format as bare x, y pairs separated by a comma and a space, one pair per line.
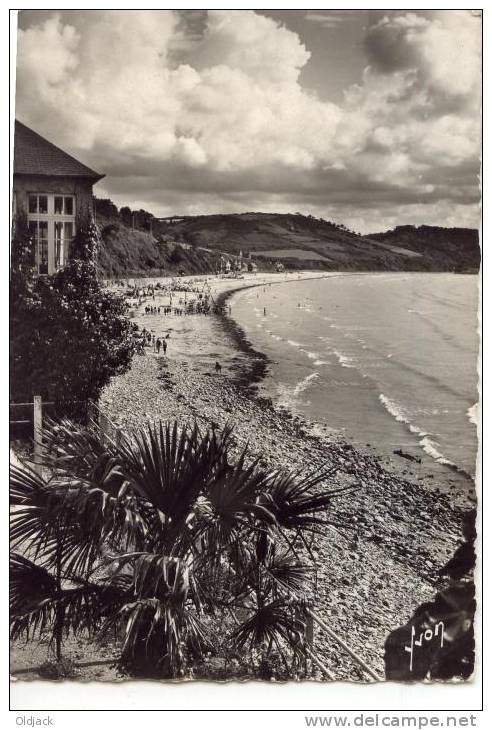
454, 247
304, 241
127, 252
135, 242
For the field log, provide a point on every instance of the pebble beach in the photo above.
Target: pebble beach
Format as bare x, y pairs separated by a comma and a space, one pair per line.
391, 533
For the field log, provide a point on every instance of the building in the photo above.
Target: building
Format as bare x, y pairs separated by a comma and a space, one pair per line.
52, 188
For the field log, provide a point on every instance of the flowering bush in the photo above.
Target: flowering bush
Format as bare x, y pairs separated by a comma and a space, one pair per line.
68, 335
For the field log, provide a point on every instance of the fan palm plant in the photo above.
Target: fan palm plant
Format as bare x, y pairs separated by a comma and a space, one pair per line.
156, 537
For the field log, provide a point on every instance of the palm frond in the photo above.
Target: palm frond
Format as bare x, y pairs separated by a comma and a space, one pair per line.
275, 622
169, 468
287, 573
75, 517
160, 625
82, 453
36, 600
291, 498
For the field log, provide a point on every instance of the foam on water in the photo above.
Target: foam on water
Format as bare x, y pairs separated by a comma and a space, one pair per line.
429, 447
384, 336
425, 442
289, 394
472, 414
398, 414
311, 355
344, 360
393, 409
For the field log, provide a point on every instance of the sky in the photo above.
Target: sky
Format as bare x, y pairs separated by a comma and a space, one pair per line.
367, 118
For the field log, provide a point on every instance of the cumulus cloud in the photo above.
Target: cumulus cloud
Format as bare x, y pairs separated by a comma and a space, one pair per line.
217, 119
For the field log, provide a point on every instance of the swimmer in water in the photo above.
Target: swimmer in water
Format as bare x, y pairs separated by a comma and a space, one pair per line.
264, 311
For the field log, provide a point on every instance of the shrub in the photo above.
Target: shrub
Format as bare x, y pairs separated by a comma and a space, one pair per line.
163, 541
68, 335
176, 255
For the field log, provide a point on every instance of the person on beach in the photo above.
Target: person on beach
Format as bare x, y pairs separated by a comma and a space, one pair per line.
164, 347
158, 345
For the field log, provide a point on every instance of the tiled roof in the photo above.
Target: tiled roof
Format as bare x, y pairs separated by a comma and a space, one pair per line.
34, 155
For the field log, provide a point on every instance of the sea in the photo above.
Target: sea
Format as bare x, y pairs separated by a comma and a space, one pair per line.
387, 360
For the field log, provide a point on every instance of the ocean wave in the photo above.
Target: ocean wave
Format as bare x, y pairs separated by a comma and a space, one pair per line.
344, 360
425, 442
311, 355
393, 409
293, 343
304, 383
320, 362
472, 414
398, 414
429, 447
288, 394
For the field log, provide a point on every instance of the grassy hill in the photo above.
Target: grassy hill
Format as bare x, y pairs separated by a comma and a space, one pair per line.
454, 248
135, 242
304, 241
127, 252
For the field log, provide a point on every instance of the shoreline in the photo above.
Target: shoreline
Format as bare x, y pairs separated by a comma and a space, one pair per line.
259, 367
254, 364
232, 327
390, 535
395, 530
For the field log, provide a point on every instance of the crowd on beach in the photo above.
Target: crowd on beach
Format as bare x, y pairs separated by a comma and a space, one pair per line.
144, 338
201, 302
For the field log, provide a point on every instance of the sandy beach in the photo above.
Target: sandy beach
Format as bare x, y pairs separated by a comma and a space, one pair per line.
393, 532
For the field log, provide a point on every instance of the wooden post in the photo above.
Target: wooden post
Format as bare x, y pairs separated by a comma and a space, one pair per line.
103, 424
342, 643
92, 413
320, 665
309, 638
38, 429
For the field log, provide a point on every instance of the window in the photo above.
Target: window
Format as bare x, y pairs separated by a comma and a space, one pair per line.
39, 233
38, 204
52, 225
63, 238
63, 205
